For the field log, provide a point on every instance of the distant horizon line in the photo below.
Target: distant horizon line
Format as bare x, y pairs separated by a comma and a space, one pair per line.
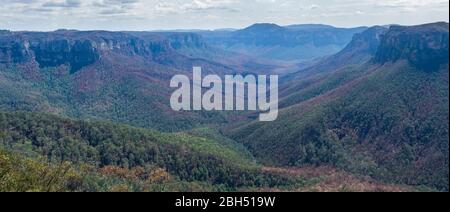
222, 29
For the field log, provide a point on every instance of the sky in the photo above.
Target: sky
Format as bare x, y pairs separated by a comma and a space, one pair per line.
145, 15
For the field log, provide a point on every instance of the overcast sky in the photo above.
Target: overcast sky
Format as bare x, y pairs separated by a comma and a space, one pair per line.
45, 15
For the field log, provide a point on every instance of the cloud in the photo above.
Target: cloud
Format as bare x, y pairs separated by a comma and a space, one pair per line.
114, 11
115, 7
313, 6
208, 14
408, 3
19, 1
65, 3
112, 3
208, 4
168, 7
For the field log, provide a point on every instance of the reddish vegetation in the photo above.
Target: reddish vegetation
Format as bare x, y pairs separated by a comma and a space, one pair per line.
330, 179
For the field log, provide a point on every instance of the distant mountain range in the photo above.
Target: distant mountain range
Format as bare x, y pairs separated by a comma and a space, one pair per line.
368, 102
290, 43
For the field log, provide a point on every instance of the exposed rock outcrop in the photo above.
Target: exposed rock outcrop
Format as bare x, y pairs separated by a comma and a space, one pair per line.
424, 47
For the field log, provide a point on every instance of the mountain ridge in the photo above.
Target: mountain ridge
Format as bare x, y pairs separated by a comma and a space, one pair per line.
271, 41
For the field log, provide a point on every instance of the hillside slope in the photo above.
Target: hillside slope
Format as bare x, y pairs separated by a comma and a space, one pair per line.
332, 71
391, 123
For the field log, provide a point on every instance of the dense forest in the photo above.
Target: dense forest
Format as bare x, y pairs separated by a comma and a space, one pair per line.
43, 152
137, 155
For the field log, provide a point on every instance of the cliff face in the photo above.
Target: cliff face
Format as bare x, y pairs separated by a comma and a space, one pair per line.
362, 48
366, 42
79, 49
13, 49
425, 46
77, 54
186, 40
